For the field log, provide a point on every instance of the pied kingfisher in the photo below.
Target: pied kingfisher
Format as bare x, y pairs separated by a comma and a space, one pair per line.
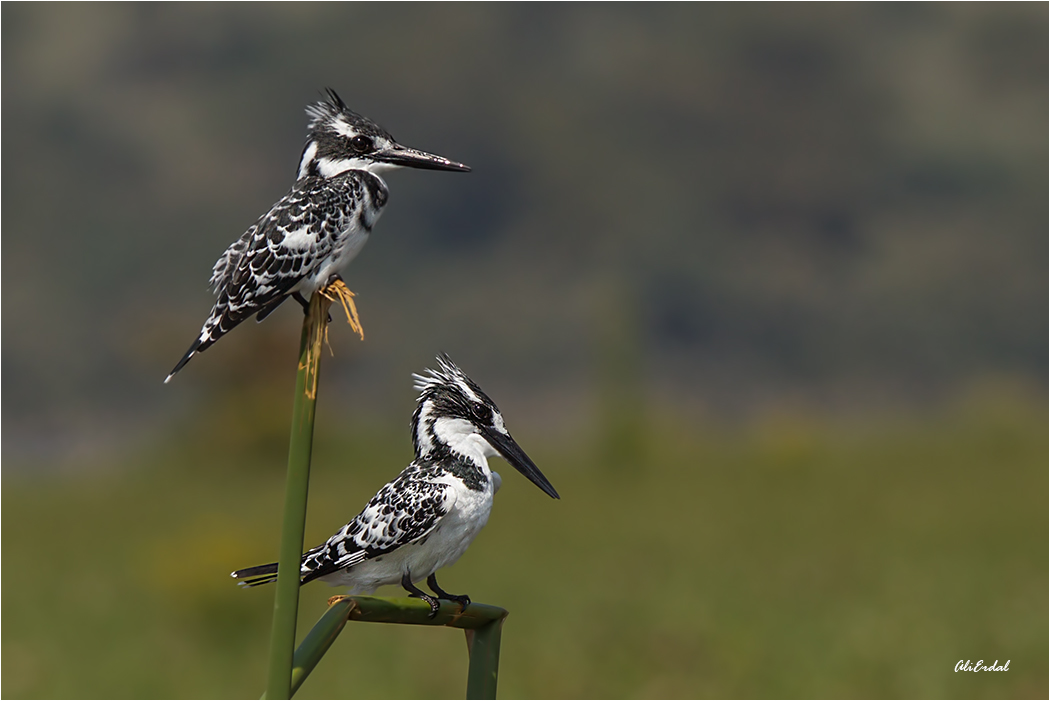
314, 231
428, 515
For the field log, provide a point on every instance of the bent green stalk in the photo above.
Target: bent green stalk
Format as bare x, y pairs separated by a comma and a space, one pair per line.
481, 623
286, 598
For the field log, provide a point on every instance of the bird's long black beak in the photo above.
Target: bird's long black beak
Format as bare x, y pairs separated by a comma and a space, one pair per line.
398, 155
517, 458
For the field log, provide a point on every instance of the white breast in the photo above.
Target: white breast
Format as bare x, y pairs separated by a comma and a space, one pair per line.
351, 241
468, 514
352, 237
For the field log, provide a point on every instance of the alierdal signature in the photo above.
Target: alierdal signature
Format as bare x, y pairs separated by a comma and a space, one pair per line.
980, 666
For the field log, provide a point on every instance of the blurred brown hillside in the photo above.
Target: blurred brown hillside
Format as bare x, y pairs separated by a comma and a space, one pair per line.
717, 207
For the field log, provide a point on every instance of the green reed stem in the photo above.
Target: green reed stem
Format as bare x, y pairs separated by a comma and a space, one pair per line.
481, 623
286, 599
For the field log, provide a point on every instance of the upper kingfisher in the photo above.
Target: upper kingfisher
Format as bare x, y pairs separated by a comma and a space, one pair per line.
313, 232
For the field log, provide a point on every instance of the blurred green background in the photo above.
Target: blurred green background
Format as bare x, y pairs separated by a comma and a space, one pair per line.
760, 288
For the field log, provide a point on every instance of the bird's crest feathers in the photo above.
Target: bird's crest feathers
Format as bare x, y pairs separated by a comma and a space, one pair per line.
332, 115
325, 110
448, 375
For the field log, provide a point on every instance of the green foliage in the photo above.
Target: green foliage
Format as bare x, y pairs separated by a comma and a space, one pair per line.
793, 558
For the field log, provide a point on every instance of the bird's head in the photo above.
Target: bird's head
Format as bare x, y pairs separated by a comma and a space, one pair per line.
339, 140
455, 415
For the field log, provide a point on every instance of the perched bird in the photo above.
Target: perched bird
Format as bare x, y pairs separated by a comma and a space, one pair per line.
314, 231
429, 514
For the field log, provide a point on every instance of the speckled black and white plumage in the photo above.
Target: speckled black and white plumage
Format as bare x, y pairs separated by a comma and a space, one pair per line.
405, 511
314, 231
307, 237
426, 517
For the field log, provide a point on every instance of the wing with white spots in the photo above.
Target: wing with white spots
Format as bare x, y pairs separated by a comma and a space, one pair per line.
224, 267
405, 511
312, 231
271, 258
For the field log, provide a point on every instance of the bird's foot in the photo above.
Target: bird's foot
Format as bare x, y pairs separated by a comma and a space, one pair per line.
417, 593
336, 290
431, 601
462, 599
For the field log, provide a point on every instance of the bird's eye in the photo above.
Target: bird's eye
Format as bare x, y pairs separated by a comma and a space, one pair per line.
361, 144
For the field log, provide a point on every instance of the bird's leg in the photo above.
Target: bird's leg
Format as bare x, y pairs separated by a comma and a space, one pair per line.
306, 305
462, 599
335, 289
418, 593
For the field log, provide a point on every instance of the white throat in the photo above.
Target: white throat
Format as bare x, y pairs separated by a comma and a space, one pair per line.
461, 438
331, 167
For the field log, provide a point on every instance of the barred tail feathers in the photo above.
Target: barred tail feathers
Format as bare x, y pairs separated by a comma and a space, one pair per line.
185, 359
254, 576
209, 334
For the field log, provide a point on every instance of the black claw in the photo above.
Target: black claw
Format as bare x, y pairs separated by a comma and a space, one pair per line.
418, 593
462, 599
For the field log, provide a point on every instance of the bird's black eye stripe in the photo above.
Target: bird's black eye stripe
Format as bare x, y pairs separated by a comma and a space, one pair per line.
361, 144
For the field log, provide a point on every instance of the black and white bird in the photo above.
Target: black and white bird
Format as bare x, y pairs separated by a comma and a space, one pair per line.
426, 517
314, 231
